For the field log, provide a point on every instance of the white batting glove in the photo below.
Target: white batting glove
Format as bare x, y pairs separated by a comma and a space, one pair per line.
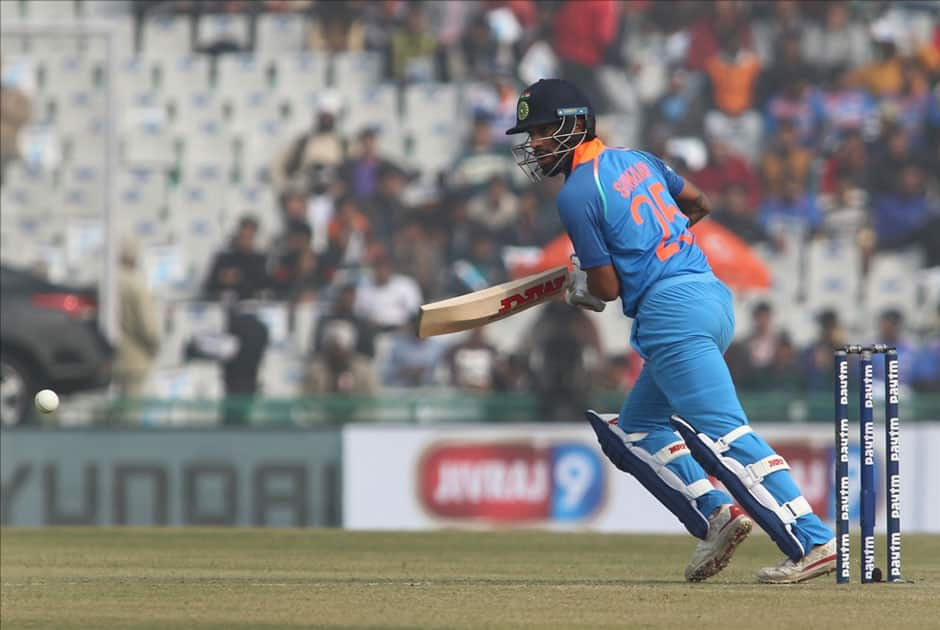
577, 293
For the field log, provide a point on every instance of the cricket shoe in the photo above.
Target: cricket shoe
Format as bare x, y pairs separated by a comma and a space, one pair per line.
728, 526
819, 561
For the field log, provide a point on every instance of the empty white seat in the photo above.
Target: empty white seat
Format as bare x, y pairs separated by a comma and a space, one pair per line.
281, 33
142, 199
892, 282
167, 34
299, 72
243, 72
149, 145
209, 143
375, 106
429, 104
353, 71
62, 74
181, 75
833, 274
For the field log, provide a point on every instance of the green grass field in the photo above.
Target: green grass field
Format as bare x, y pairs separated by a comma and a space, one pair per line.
199, 578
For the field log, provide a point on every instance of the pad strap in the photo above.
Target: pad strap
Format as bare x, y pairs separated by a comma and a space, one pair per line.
672, 451
724, 442
699, 488
763, 467
794, 509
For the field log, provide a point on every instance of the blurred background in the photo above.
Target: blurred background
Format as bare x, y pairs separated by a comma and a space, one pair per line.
225, 214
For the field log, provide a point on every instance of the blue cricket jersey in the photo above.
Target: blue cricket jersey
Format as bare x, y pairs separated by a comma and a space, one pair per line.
618, 207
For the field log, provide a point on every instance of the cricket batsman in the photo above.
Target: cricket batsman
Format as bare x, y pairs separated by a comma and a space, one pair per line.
628, 215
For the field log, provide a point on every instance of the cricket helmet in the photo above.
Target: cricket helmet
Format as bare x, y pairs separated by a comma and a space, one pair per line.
551, 101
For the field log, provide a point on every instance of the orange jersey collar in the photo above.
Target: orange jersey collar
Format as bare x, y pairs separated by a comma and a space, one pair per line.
586, 152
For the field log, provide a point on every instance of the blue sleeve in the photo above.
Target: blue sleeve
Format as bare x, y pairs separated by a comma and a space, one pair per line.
581, 214
674, 181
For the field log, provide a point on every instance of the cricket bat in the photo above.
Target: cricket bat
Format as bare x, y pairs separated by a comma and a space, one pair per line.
478, 308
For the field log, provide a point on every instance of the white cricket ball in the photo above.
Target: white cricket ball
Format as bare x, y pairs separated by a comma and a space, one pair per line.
47, 401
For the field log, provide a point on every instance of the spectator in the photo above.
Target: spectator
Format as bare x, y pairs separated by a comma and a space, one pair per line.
849, 162
891, 332
846, 209
15, 112
788, 64
240, 371
800, 104
479, 55
534, 226
681, 109
337, 27
348, 235
900, 218
481, 161
342, 307
885, 75
723, 169
412, 361
388, 300
497, 208
839, 42
339, 368
584, 31
750, 359
785, 159
816, 363
386, 209
140, 329
735, 212
772, 33
305, 160
783, 375
846, 108
791, 208
733, 73
564, 350
482, 268
239, 272
474, 363
294, 270
723, 18
907, 107
418, 251
890, 154
414, 49
363, 171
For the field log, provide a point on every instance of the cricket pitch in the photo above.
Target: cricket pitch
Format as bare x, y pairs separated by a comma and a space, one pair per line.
275, 578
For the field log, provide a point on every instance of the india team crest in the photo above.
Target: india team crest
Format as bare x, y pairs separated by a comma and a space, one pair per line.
523, 111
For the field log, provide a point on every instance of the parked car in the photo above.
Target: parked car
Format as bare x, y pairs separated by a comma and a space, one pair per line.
49, 338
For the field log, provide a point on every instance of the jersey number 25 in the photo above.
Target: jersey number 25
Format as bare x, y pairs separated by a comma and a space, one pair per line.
664, 212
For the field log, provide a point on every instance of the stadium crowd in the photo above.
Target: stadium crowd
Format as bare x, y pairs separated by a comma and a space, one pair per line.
822, 117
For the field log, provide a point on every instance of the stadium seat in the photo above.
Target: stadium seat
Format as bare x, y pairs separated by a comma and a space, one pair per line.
209, 143
298, 72
280, 33
163, 34
426, 105
148, 144
833, 276
180, 76
236, 74
354, 71
61, 74
376, 106
892, 283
